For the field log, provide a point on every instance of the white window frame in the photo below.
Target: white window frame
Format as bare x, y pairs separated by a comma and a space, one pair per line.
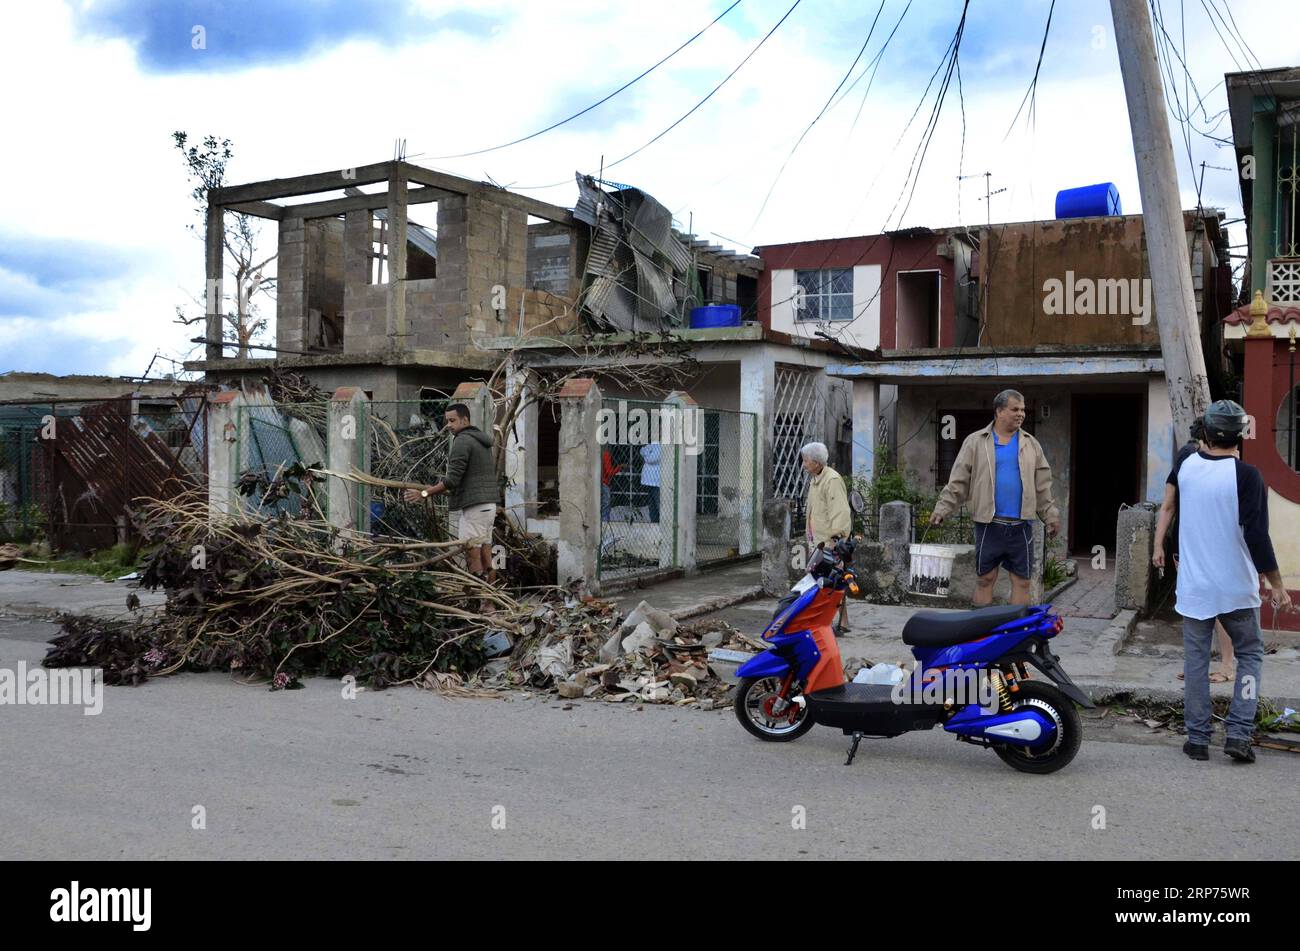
828, 296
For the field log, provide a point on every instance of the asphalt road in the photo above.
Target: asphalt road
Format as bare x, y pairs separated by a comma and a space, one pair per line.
408, 774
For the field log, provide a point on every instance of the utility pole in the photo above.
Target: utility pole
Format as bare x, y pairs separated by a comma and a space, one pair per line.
1162, 216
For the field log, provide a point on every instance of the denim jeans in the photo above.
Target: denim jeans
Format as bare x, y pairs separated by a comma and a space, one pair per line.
1247, 643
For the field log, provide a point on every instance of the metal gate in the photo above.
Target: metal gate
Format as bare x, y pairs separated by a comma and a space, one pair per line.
407, 442
274, 437
727, 494
794, 401
638, 523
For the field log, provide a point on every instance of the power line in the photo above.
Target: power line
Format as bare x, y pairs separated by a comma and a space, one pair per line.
600, 102
691, 111
1031, 94
798, 142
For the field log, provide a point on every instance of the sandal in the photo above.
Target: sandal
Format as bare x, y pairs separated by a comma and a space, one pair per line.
1218, 677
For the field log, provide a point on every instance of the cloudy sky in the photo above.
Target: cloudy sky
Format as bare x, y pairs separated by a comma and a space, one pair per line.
94, 204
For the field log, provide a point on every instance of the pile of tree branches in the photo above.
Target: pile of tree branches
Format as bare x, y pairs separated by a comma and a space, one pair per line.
278, 599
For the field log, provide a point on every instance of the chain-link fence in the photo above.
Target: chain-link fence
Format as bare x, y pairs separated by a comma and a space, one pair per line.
407, 442
272, 439
727, 493
638, 522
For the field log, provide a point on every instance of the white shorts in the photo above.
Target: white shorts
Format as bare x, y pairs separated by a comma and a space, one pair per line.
476, 524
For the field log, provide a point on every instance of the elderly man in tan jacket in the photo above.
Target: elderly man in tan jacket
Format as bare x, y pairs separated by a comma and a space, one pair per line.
1002, 476
828, 506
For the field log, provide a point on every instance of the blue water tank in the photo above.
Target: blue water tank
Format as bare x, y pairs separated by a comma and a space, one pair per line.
715, 315
1088, 201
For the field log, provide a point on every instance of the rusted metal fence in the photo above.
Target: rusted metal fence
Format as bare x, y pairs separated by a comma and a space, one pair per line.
76, 471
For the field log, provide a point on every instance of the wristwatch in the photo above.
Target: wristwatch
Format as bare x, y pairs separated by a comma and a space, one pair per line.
424, 493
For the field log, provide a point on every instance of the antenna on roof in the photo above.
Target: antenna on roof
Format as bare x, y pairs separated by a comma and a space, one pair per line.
399, 150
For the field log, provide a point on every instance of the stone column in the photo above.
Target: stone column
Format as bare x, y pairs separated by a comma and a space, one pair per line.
521, 451
682, 436
896, 536
579, 539
866, 410
777, 555
1134, 543
223, 446
482, 408
348, 447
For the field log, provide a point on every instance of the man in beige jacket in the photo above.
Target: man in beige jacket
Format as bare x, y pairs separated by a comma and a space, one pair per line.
1002, 476
828, 506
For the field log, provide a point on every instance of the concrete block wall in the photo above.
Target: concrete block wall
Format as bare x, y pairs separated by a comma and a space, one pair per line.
365, 325
291, 285
324, 269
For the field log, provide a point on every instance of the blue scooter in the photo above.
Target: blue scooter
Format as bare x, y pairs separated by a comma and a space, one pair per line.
971, 676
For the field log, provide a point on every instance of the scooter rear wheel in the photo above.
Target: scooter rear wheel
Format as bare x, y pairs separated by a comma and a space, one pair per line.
1060, 750
754, 698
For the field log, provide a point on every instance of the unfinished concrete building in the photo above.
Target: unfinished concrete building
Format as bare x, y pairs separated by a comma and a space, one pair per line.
391, 288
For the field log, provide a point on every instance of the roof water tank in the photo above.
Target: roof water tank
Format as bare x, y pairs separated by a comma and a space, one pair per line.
1088, 201
715, 315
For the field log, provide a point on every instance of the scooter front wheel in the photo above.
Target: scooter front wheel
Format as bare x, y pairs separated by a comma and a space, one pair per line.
1057, 752
759, 708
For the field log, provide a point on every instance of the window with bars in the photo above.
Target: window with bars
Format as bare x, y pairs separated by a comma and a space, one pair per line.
825, 294
1288, 192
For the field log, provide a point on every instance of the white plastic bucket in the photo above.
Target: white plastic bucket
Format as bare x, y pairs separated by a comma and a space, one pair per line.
930, 570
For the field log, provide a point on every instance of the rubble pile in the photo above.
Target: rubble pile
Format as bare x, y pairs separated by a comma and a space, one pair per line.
581, 650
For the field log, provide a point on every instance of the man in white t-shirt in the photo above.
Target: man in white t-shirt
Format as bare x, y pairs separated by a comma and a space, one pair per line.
1223, 549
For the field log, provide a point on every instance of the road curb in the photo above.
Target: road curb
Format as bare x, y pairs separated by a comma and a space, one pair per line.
717, 604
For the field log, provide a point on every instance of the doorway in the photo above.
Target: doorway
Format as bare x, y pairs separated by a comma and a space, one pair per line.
1105, 467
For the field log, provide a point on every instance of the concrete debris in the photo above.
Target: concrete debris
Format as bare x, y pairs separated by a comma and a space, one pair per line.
584, 650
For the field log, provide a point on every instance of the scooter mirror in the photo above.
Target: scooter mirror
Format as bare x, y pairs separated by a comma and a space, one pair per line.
857, 502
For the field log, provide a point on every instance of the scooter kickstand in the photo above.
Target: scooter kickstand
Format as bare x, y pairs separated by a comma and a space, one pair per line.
853, 748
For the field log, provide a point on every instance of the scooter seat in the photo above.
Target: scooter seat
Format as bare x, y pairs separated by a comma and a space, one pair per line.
936, 629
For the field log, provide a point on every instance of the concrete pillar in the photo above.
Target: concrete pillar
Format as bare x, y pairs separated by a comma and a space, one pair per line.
1262, 236
1160, 438
896, 536
521, 451
576, 548
396, 231
482, 408
757, 384
1134, 543
1036, 590
291, 285
214, 265
866, 410
348, 506
777, 555
682, 439
223, 445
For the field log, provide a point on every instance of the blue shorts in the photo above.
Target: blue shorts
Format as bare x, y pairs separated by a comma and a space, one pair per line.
999, 545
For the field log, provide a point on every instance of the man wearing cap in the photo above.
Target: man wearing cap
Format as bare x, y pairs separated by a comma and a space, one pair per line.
1223, 549
1002, 474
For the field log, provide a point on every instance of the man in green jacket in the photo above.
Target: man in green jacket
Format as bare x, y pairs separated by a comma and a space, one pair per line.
471, 487
1002, 475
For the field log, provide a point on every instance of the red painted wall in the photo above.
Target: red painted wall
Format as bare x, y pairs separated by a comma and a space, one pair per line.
890, 254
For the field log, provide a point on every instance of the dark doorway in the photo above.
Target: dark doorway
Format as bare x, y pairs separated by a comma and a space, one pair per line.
1104, 467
